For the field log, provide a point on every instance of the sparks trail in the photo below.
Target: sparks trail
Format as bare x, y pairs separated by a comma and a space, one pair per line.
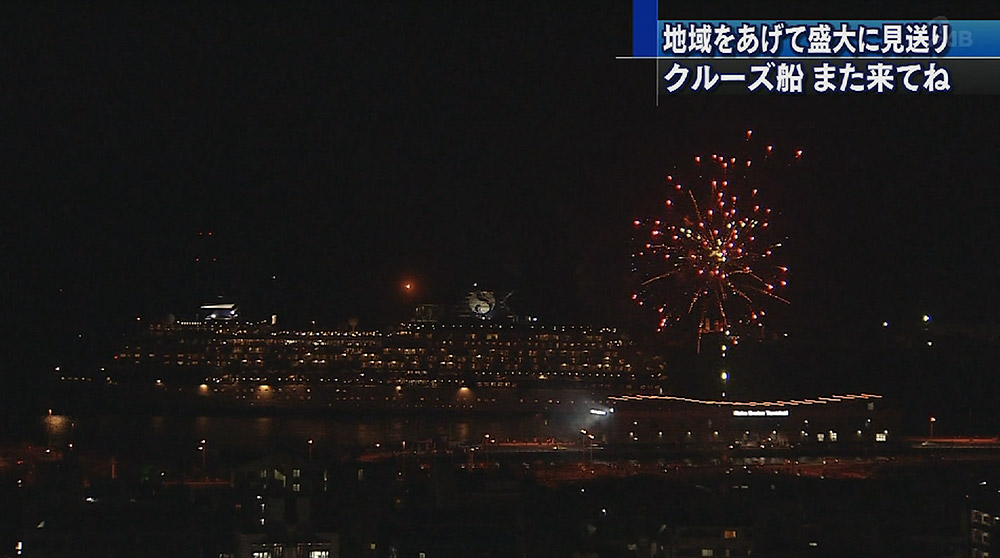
710, 257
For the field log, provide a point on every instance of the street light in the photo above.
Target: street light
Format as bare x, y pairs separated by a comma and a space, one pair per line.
310, 449
933, 420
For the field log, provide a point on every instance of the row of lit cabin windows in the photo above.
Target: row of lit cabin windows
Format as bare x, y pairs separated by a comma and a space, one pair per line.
268, 342
574, 356
388, 352
374, 359
411, 366
408, 367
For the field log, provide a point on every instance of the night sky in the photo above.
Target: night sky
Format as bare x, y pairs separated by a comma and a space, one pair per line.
343, 151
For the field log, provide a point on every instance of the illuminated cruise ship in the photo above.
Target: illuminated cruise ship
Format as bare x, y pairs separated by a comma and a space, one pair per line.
476, 354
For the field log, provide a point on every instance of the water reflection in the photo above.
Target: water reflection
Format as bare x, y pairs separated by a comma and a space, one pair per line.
462, 432
262, 427
172, 435
202, 427
57, 428
157, 425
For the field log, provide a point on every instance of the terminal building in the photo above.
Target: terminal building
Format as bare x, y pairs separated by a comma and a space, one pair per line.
835, 421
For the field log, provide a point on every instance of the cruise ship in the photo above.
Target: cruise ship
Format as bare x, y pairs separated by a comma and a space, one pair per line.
473, 356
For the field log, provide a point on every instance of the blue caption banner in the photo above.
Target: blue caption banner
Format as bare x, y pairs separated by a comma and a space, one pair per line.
813, 38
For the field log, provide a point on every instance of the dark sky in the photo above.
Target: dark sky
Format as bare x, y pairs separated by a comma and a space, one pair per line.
344, 150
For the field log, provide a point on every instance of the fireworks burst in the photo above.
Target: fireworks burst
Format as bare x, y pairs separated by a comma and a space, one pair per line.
710, 258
